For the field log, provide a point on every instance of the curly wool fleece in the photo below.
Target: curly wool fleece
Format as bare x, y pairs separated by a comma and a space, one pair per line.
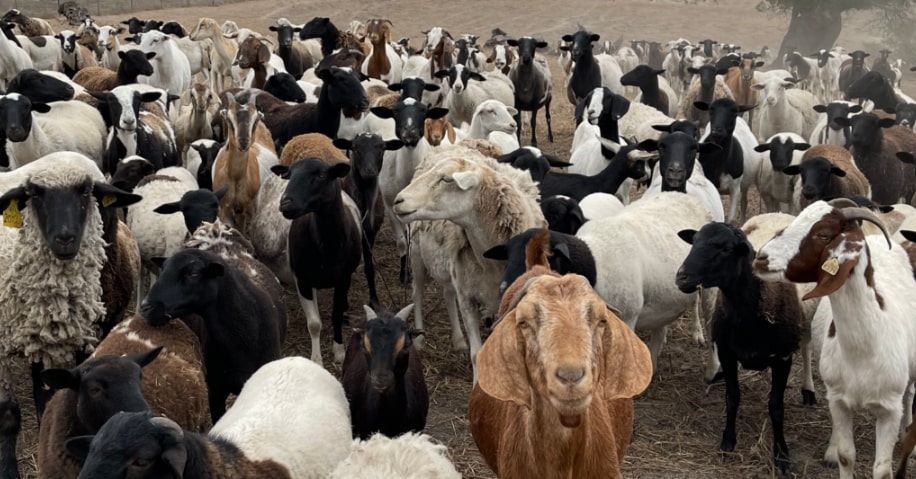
50, 306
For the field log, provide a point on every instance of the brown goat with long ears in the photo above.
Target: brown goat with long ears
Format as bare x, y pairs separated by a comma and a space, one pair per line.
556, 380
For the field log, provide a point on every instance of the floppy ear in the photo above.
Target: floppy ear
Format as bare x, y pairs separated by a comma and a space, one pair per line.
466, 179
701, 105
343, 143
498, 252
61, 378
168, 208
78, 447
836, 266
19, 194
501, 369
762, 147
450, 132
627, 365
792, 170
820, 108
687, 235
280, 170
159, 261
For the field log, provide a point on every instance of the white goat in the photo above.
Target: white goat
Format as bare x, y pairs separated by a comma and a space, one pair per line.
171, 69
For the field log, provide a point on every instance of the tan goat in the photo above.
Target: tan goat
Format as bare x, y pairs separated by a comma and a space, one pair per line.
247, 155
555, 382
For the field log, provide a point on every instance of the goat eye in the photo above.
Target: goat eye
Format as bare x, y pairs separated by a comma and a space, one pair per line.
822, 237
446, 179
141, 462
194, 274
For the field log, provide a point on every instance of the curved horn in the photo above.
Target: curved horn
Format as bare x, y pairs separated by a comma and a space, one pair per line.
859, 213
842, 203
608, 143
169, 426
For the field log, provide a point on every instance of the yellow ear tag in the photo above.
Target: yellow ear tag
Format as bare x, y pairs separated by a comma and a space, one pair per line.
831, 266
11, 215
108, 200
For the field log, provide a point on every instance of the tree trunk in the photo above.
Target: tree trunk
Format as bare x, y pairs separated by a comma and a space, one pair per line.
814, 25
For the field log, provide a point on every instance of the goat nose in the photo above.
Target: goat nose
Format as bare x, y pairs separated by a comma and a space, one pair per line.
570, 375
65, 239
398, 200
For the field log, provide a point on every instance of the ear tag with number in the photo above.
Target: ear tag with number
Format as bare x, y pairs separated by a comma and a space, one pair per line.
108, 200
831, 266
11, 215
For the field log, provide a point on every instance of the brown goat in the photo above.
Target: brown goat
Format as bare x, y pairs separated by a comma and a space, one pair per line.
255, 54
436, 130
556, 381
378, 31
740, 79
237, 163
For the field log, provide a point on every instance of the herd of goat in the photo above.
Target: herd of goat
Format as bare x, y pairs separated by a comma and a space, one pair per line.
165, 185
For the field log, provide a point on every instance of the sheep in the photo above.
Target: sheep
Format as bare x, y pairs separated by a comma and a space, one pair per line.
284, 86
172, 71
600, 205
221, 64
852, 68
133, 64
382, 62
568, 254
533, 85
29, 26
86, 396
67, 222
827, 171
775, 188
540, 398
562, 214
243, 325
271, 431
410, 456
638, 122
242, 162
828, 64
75, 57
827, 130
493, 121
383, 377
108, 38
196, 206
627, 163
157, 235
464, 97
367, 152
877, 88
193, 121
603, 109
734, 165
806, 73
32, 133
146, 132
199, 161
709, 88
313, 188
755, 324
590, 71
874, 143
871, 289
488, 202
654, 90
785, 108
44, 51
408, 114
642, 238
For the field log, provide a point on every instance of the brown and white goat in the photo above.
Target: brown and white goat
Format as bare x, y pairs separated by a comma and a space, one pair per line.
238, 163
555, 383
382, 62
740, 79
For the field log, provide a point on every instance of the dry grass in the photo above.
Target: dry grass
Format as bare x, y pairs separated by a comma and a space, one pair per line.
679, 419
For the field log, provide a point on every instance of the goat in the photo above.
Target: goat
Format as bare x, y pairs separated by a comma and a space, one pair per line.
533, 85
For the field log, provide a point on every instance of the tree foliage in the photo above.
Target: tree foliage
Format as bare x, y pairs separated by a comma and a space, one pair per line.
836, 5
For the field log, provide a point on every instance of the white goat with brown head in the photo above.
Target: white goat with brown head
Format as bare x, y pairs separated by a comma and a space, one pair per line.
556, 381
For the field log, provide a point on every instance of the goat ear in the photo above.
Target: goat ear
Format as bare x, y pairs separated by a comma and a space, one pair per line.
393, 145
855, 108
836, 170
476, 76
339, 170
111, 197
280, 170
430, 87
563, 248
627, 366
18, 194
701, 105
150, 96
78, 447
146, 357
758, 64
906, 157
466, 179
595, 37
61, 378
762, 147
908, 235
836, 266
887, 122
687, 235
801, 146
512, 42
215, 269
176, 456
499, 252
758, 86
744, 108
648, 145
41, 107
441, 74
221, 192
820, 108
168, 208
395, 87
556, 162
436, 113
501, 369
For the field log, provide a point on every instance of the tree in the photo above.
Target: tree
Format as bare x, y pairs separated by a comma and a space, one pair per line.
816, 24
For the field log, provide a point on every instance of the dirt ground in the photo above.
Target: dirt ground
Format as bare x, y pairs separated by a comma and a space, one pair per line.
679, 419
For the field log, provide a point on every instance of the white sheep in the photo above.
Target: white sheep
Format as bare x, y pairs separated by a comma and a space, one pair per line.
638, 121
45, 51
464, 96
171, 68
493, 121
784, 108
641, 244
410, 456
775, 187
868, 357
269, 230
56, 126
487, 203
600, 205
12, 59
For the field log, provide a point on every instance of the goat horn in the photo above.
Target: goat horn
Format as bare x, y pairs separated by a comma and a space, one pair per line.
370, 313
854, 212
608, 143
169, 426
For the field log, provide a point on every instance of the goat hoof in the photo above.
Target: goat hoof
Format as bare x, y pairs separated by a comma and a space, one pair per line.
339, 353
831, 464
459, 345
728, 444
808, 398
720, 376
